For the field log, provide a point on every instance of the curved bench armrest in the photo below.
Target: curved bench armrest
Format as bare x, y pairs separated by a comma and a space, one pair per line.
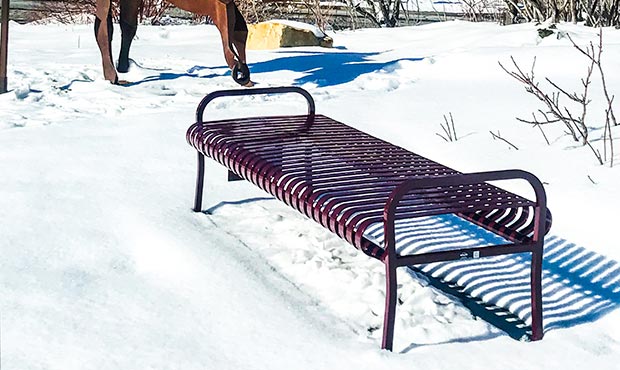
256, 91
389, 212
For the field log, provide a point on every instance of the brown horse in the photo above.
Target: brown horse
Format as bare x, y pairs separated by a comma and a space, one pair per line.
225, 16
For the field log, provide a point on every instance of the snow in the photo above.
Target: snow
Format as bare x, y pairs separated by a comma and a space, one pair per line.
104, 265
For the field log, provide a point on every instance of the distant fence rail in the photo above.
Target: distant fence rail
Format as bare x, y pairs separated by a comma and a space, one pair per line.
338, 16
23, 11
343, 16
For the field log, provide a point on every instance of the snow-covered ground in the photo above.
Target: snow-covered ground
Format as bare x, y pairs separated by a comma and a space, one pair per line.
104, 266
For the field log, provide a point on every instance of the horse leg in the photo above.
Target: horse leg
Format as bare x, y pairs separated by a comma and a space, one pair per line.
240, 34
103, 34
224, 19
234, 36
223, 23
129, 25
233, 31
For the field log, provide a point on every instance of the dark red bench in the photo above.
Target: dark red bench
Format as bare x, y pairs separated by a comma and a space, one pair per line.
347, 180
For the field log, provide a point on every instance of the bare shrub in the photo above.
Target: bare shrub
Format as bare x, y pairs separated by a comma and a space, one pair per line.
310, 11
255, 11
557, 111
481, 10
68, 11
382, 13
71, 11
593, 12
319, 12
153, 10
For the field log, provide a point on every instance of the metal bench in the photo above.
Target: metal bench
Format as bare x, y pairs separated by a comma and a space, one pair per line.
347, 181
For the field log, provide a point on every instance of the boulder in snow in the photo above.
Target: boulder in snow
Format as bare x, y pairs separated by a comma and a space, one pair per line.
280, 33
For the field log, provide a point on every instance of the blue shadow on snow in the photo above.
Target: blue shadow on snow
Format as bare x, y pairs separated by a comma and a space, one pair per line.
579, 285
167, 76
325, 68
321, 68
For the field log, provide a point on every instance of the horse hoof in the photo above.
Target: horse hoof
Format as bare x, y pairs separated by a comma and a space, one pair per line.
241, 74
122, 67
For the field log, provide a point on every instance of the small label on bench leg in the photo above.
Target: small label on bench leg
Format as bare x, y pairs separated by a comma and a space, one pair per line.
468, 255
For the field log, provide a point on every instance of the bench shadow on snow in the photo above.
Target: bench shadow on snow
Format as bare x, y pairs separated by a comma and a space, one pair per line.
211, 210
579, 286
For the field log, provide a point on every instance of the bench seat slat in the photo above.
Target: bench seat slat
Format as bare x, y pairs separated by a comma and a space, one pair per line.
342, 177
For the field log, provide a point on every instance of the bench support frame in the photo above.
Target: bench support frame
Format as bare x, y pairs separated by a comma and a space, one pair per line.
391, 259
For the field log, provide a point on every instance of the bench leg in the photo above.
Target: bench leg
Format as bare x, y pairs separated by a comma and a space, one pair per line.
200, 178
391, 295
536, 291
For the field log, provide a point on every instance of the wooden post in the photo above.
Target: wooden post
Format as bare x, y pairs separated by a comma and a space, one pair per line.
4, 45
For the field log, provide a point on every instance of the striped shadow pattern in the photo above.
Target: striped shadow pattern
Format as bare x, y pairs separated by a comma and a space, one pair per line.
578, 285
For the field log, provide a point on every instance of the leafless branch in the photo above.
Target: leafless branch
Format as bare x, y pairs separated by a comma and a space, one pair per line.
592, 181
595, 57
557, 112
499, 137
552, 102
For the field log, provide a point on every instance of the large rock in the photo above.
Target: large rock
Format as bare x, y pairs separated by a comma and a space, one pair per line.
280, 34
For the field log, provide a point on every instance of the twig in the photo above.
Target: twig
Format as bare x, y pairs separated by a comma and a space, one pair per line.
448, 129
502, 139
543, 134
607, 136
441, 136
594, 182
